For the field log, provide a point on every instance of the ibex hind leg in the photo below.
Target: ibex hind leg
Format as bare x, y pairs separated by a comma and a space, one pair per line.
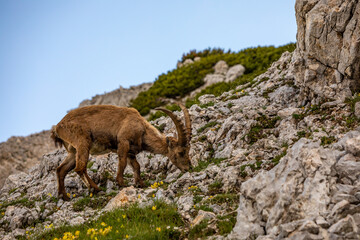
82, 156
65, 167
136, 168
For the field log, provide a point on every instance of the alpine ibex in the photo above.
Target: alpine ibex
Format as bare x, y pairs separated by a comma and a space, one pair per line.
104, 128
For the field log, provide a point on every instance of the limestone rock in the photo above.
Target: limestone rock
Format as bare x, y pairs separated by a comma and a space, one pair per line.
234, 72
124, 197
202, 215
221, 67
327, 52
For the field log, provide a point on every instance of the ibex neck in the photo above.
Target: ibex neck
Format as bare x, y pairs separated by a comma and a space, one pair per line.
155, 142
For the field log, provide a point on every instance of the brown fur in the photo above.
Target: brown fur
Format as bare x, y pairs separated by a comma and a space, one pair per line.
105, 128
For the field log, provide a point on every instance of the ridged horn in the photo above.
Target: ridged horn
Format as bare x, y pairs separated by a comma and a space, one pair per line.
187, 121
179, 126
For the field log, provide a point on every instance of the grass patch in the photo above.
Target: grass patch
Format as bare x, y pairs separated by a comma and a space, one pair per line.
226, 223
277, 158
12, 190
299, 116
181, 81
209, 104
327, 140
208, 125
159, 114
229, 198
204, 164
90, 164
201, 230
256, 132
92, 202
22, 201
132, 222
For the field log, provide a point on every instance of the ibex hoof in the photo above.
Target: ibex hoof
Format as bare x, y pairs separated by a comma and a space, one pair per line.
64, 197
140, 184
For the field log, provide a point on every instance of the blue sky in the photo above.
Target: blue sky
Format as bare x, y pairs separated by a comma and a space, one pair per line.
54, 54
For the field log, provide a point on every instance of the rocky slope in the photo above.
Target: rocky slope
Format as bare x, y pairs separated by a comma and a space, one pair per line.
22, 153
277, 157
119, 97
294, 166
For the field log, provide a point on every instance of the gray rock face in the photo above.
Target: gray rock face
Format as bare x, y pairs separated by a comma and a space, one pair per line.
221, 67
234, 72
222, 73
328, 48
300, 190
119, 97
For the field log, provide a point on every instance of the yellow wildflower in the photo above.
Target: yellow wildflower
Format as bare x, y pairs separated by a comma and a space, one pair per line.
49, 194
103, 224
153, 208
124, 216
126, 236
56, 239
194, 206
3, 213
161, 182
153, 195
91, 194
158, 229
139, 196
91, 231
122, 226
74, 195
68, 194
77, 233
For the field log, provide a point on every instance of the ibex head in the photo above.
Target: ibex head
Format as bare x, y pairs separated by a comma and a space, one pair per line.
178, 149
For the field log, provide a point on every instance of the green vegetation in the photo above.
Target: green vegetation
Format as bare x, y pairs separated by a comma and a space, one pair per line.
277, 158
215, 187
204, 164
159, 221
208, 125
159, 114
201, 230
92, 202
327, 140
228, 198
181, 81
263, 122
209, 104
226, 223
21, 201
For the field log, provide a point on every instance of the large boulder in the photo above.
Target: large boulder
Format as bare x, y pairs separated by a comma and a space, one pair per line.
308, 191
327, 57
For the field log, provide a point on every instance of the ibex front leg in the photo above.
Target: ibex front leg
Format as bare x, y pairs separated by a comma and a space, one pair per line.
123, 149
136, 168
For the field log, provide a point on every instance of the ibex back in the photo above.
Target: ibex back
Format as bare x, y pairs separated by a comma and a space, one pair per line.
104, 128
